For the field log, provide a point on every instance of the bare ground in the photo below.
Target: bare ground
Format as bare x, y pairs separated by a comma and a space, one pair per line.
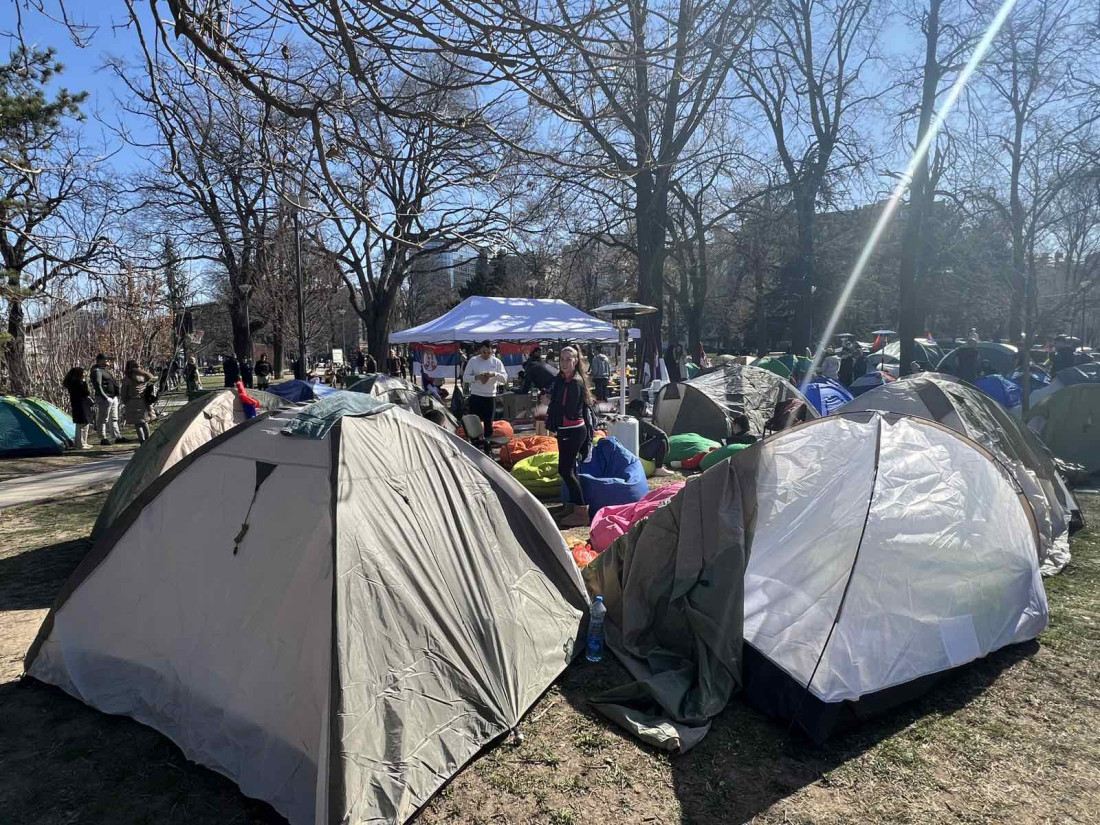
1011, 739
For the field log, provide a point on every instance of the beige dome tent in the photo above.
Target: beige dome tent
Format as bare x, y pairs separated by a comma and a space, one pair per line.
179, 435
965, 409
1068, 421
341, 623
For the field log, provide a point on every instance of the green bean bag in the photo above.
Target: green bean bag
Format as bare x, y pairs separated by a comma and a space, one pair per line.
720, 454
539, 474
685, 445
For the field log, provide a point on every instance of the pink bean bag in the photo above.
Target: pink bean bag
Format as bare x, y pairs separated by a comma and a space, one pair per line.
616, 519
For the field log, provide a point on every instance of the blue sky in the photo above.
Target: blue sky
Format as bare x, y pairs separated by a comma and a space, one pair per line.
83, 67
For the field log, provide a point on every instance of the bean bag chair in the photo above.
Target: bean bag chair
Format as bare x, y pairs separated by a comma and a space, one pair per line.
685, 445
615, 521
611, 475
650, 467
521, 448
721, 454
693, 462
539, 474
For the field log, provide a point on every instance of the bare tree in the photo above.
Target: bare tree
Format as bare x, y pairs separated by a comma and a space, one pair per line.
53, 208
949, 30
211, 180
805, 76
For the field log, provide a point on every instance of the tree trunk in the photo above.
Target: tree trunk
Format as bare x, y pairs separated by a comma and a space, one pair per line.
650, 213
239, 329
693, 319
801, 335
15, 349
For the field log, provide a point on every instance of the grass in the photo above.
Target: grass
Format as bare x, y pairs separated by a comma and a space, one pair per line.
1009, 739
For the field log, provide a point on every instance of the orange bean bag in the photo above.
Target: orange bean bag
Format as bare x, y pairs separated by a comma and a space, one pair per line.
521, 448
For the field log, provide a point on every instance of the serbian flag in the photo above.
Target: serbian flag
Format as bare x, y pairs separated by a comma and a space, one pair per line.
878, 343
436, 360
931, 340
513, 355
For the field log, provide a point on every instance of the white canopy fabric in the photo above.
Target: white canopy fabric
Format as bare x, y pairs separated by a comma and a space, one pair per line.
481, 318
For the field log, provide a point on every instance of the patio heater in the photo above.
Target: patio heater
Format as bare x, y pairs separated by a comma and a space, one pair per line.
623, 316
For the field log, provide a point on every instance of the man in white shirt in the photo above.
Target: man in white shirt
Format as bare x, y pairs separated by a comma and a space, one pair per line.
483, 372
830, 367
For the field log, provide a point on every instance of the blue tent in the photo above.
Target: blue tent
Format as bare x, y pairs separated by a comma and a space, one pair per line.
869, 381
827, 395
24, 432
50, 417
1001, 389
301, 391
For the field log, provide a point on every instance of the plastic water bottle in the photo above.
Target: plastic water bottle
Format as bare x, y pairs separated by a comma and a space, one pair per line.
596, 614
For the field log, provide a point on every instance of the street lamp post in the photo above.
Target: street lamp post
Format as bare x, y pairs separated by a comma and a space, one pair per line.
1085, 286
246, 290
343, 334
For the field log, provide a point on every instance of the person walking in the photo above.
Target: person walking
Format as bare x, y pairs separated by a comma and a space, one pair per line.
360, 361
393, 364
263, 372
601, 374
105, 392
483, 372
568, 419
80, 403
136, 410
191, 375
369, 364
231, 370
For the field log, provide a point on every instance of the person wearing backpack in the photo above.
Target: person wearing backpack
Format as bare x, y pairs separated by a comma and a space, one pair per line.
570, 419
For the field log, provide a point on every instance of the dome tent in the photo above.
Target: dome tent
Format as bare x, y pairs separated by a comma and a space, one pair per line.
179, 435
826, 395
904, 551
328, 654
706, 405
1068, 421
388, 388
1001, 358
27, 428
301, 392
960, 406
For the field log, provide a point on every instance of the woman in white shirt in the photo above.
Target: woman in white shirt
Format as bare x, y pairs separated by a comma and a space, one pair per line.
483, 372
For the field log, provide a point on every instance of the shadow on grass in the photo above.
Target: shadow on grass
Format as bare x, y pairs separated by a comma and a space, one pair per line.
30, 580
748, 763
62, 761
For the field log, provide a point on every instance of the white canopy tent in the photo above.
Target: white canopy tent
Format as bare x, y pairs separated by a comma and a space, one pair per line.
481, 318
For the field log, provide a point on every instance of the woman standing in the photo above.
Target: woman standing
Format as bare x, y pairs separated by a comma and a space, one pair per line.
567, 418
135, 409
263, 372
191, 375
80, 402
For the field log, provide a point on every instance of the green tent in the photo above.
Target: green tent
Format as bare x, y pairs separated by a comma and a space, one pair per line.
27, 429
774, 365
1068, 421
56, 421
179, 435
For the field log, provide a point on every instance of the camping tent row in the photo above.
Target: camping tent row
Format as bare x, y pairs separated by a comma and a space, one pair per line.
482, 318
362, 601
31, 426
967, 411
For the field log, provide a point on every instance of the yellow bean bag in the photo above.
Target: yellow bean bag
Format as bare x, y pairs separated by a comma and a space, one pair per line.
539, 474
650, 467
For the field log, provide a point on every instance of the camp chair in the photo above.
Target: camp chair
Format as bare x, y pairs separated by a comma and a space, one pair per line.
475, 430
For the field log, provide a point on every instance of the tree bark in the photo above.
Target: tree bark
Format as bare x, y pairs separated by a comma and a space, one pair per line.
15, 348
650, 215
801, 335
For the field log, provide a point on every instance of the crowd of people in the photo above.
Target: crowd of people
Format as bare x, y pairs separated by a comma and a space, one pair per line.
102, 399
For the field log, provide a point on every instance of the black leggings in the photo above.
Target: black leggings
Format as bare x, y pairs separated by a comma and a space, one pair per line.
484, 408
654, 450
570, 441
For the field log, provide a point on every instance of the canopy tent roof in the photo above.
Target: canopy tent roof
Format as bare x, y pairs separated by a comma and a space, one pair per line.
481, 318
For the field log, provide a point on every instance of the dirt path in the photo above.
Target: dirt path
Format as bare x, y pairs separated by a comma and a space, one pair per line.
49, 486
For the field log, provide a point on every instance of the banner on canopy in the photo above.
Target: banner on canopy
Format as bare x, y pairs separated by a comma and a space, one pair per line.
513, 354
436, 360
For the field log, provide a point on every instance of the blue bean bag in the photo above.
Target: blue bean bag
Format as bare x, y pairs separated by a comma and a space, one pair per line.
611, 475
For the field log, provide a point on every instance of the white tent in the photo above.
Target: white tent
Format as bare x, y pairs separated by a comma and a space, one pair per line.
343, 621
899, 551
480, 318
